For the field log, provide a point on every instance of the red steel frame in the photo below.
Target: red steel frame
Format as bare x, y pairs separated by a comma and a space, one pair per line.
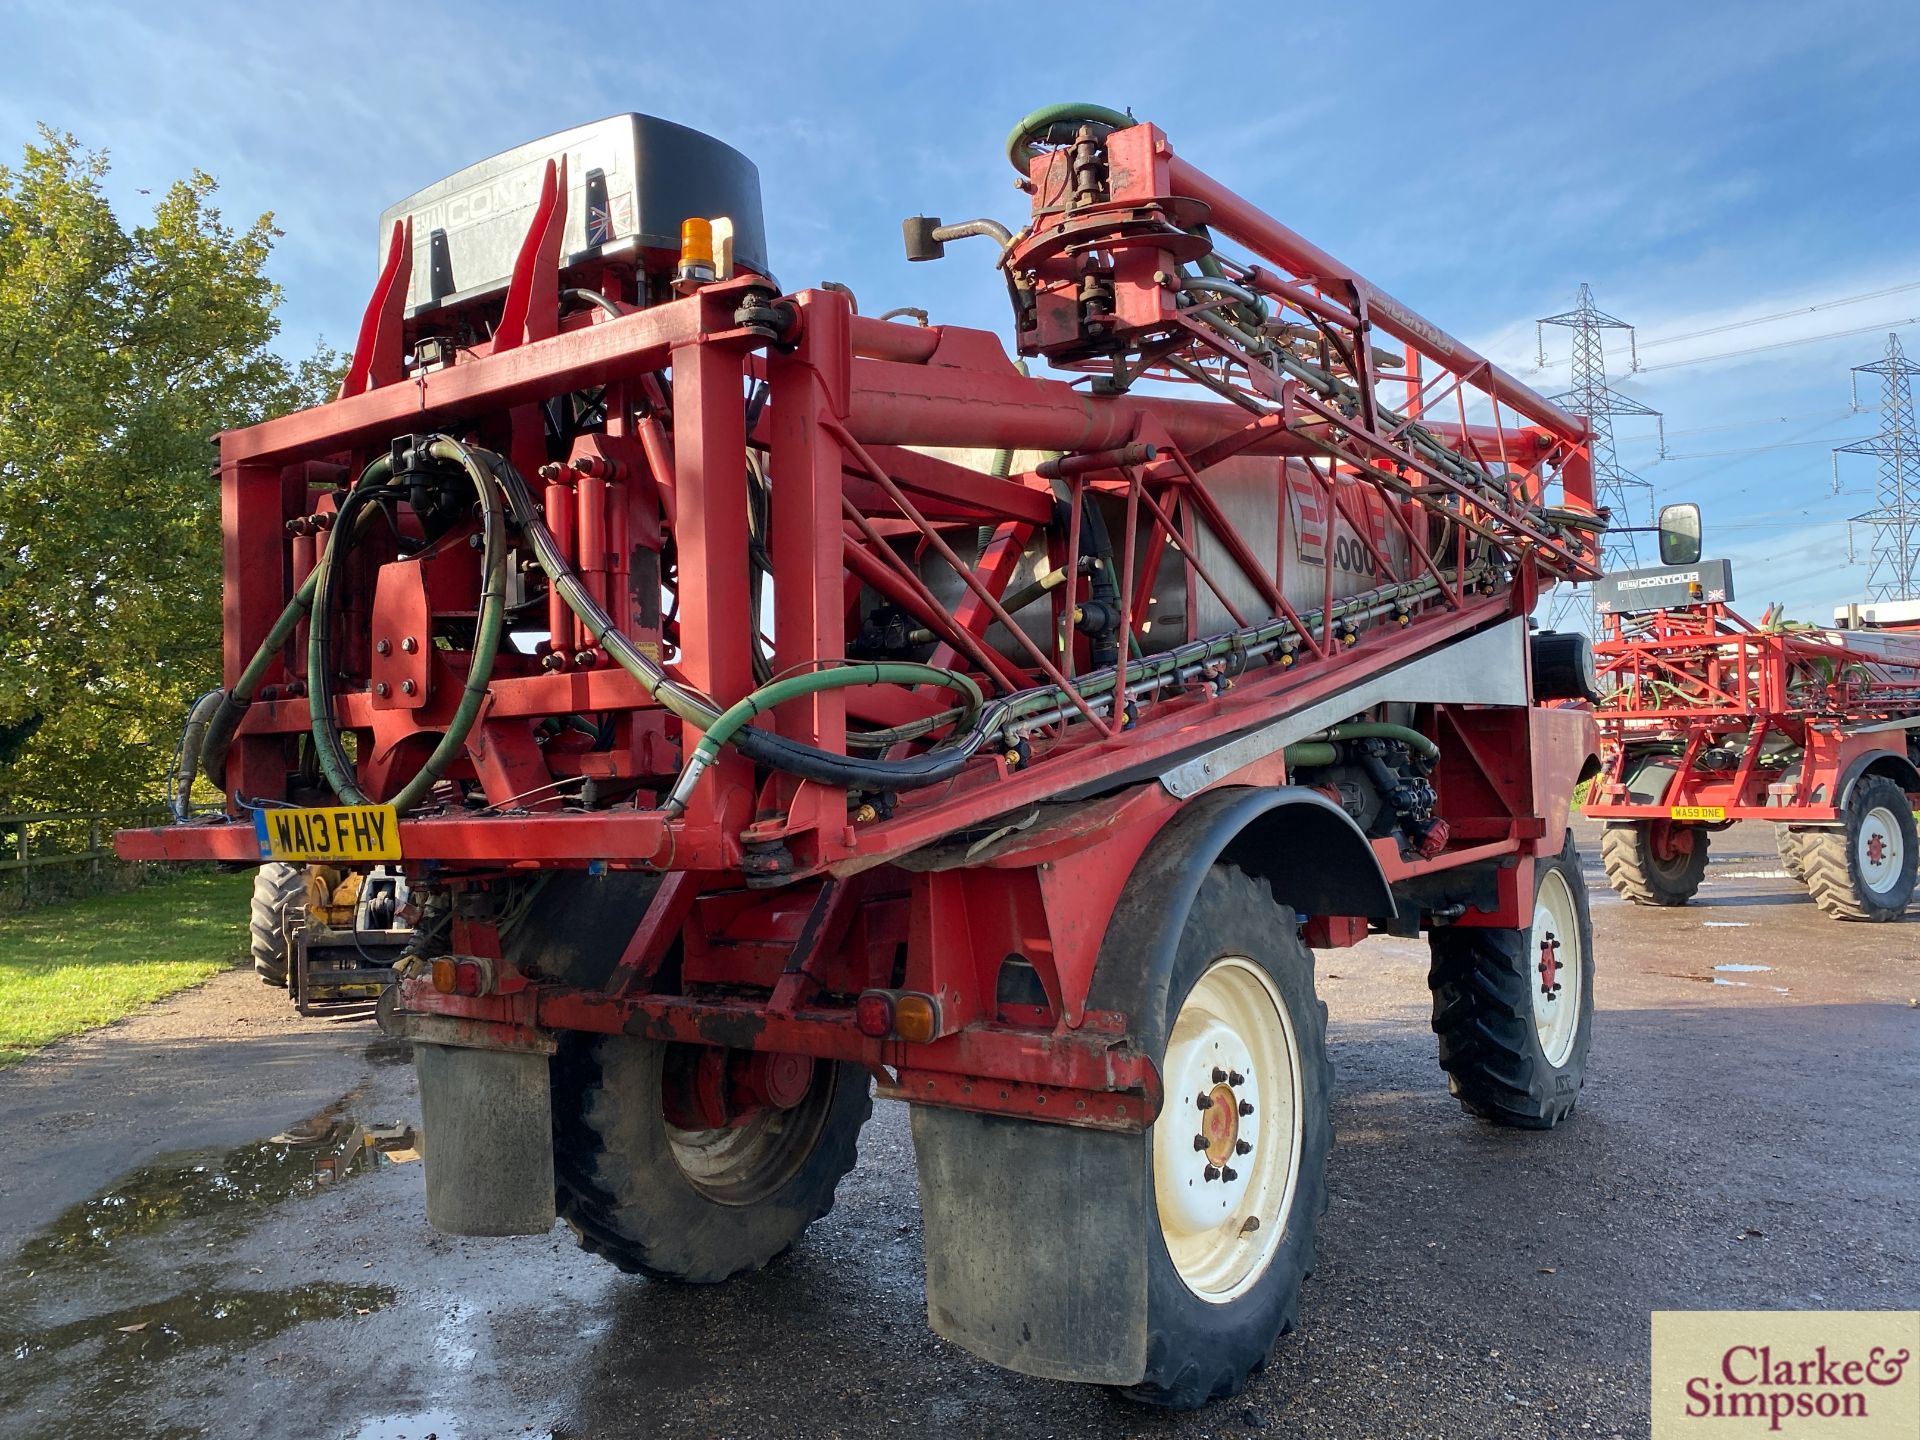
774, 968
1683, 683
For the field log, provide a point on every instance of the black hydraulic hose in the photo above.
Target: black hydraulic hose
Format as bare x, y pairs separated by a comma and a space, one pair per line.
762, 746
186, 763
233, 708
488, 627
1104, 594
594, 297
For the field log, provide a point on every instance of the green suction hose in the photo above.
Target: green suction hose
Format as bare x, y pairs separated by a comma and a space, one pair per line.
736, 717
1021, 147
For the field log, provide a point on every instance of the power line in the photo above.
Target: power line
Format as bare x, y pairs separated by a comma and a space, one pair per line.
1823, 416
1784, 344
1780, 315
1639, 345
1748, 450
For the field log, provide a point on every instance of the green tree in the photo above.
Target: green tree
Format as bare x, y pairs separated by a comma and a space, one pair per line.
122, 351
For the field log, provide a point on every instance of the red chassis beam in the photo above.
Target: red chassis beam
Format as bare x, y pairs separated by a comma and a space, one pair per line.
1090, 1077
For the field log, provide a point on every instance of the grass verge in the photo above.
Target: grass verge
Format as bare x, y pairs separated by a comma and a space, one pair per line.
67, 968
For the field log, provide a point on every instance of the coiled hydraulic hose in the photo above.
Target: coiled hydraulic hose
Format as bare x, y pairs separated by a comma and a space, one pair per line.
489, 626
233, 707
186, 760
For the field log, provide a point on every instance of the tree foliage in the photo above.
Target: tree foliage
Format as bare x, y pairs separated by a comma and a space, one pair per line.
122, 351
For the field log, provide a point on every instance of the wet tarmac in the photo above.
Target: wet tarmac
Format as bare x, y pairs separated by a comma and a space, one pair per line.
212, 1223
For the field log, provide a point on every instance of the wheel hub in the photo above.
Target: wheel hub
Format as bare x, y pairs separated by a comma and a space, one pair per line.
1226, 1156
1561, 968
1879, 851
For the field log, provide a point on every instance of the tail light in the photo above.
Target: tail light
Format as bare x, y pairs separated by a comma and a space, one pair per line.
873, 1014
903, 1014
460, 977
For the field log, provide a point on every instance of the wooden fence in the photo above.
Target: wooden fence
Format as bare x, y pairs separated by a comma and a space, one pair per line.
57, 841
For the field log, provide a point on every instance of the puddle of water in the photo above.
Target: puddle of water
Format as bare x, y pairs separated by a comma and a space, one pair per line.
82, 1372
147, 1333
1735, 984
228, 1187
417, 1425
78, 1374
1742, 969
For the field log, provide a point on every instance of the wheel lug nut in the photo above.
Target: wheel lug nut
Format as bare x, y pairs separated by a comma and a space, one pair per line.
1246, 1107
1219, 1076
1205, 1102
1234, 1077
1199, 1142
1229, 1174
1241, 1147
1211, 1173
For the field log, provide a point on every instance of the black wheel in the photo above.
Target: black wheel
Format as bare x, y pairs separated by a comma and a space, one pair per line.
1514, 1008
275, 887
696, 1204
1792, 845
1238, 1156
1865, 870
640, 1174
1654, 862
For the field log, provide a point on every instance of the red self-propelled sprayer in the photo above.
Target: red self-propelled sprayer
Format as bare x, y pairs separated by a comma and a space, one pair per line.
768, 702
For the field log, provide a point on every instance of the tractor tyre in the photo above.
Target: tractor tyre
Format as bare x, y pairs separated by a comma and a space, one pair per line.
696, 1205
275, 887
1792, 845
1237, 1158
691, 1204
1865, 870
1645, 861
1514, 1008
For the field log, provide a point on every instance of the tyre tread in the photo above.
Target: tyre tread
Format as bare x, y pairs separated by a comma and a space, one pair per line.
1625, 856
597, 1144
1222, 1370
275, 886
1827, 856
1483, 1016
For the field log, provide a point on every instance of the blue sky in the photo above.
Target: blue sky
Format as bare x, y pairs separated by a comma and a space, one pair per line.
1698, 164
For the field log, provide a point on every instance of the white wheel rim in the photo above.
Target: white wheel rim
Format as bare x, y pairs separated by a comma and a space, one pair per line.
1879, 850
1222, 1230
1558, 968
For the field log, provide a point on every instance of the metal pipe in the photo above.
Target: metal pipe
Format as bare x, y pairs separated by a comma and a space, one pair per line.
960, 230
558, 506
590, 564
1234, 216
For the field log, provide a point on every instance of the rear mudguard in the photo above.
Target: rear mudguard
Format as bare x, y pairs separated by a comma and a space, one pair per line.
1036, 1235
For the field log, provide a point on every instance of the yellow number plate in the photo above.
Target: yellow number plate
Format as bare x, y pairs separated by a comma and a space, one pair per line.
1698, 812
344, 833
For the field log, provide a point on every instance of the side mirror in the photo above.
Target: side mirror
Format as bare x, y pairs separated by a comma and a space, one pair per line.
1679, 534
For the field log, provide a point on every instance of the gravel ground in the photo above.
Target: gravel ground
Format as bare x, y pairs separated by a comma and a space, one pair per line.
1748, 1138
